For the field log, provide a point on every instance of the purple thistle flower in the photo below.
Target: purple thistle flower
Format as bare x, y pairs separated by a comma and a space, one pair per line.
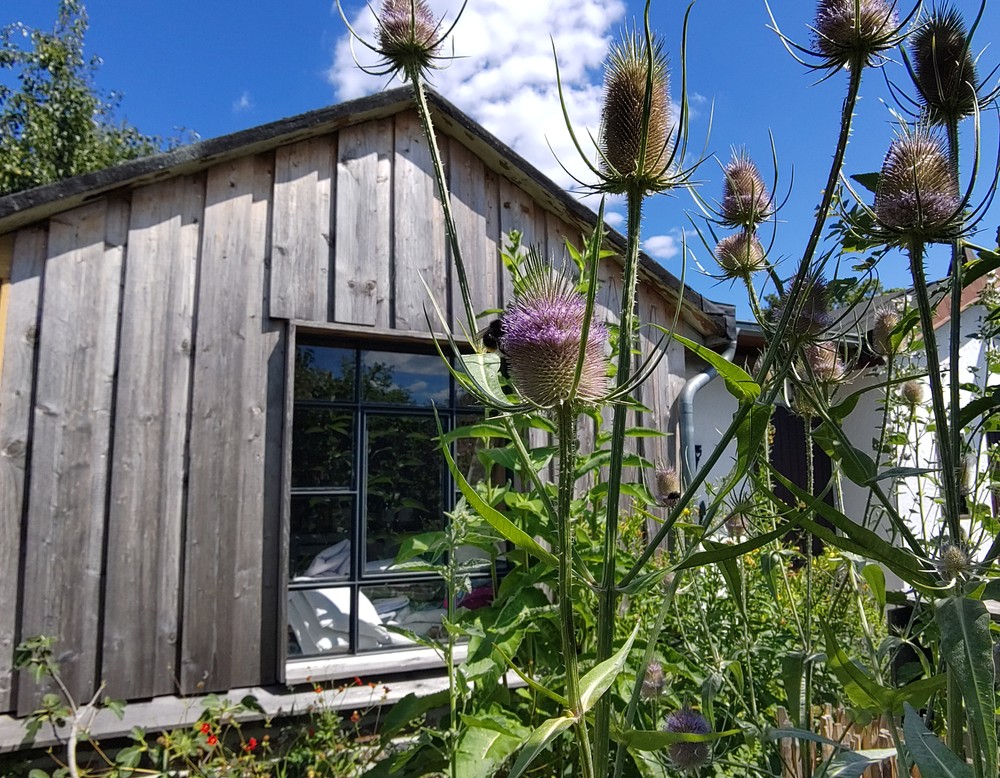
745, 199
824, 361
917, 192
542, 331
848, 31
668, 485
688, 756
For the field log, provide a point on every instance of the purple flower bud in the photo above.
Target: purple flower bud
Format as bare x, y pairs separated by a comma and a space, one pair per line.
688, 756
668, 485
745, 199
917, 192
653, 682
542, 331
848, 31
740, 255
945, 70
886, 319
824, 361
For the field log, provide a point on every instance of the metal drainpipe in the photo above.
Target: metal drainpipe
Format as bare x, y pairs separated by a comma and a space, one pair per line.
690, 389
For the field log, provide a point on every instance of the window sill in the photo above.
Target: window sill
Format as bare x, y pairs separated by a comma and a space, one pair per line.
374, 663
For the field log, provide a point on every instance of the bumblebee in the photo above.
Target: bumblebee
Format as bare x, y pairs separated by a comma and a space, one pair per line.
491, 336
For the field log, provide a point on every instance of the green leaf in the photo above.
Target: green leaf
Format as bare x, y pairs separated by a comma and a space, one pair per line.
497, 520
482, 750
730, 574
852, 764
792, 665
750, 434
129, 757
537, 742
987, 261
901, 472
725, 551
868, 180
856, 464
738, 381
861, 689
409, 709
984, 406
875, 577
933, 758
600, 678
967, 649
656, 739
484, 370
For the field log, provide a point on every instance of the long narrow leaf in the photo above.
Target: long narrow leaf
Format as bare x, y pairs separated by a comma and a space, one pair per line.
932, 756
738, 381
537, 742
600, 678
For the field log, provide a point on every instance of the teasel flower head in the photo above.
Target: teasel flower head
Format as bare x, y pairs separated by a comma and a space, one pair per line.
688, 756
668, 485
954, 562
912, 392
812, 315
407, 38
653, 682
635, 146
740, 255
854, 32
824, 362
886, 320
745, 200
918, 197
541, 335
944, 70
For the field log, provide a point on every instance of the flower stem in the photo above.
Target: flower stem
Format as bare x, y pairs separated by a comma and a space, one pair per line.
566, 421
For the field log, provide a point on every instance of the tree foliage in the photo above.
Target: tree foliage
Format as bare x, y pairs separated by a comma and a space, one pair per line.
54, 121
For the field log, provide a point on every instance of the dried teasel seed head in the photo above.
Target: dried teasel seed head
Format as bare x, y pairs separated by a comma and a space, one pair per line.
886, 320
953, 562
912, 392
740, 255
406, 34
918, 192
653, 682
621, 135
688, 756
854, 31
668, 485
745, 199
944, 68
542, 332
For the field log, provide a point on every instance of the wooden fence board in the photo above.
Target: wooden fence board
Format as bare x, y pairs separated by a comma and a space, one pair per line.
362, 282
70, 440
16, 374
302, 233
517, 212
474, 203
419, 255
236, 406
146, 510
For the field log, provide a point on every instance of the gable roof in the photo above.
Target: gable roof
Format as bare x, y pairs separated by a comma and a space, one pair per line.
33, 205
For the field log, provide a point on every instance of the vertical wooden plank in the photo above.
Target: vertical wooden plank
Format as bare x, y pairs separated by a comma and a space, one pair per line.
6, 260
419, 256
16, 377
363, 228
71, 436
517, 212
557, 232
302, 233
146, 509
474, 203
235, 445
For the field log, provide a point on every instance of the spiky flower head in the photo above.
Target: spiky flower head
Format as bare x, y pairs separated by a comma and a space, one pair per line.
944, 68
740, 255
849, 32
953, 562
630, 157
886, 320
823, 360
542, 333
653, 682
738, 520
688, 756
745, 199
668, 485
407, 35
912, 392
917, 193
811, 317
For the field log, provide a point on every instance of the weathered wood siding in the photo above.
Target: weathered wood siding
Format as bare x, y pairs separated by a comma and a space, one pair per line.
143, 405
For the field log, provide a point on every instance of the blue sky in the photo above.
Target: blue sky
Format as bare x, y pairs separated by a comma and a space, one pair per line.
217, 67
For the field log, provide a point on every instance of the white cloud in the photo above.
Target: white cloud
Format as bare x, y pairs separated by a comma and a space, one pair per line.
614, 219
504, 75
661, 246
243, 103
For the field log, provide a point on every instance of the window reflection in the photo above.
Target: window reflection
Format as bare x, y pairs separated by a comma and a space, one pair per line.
322, 448
404, 379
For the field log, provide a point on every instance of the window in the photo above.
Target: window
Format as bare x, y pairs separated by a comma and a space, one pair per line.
367, 474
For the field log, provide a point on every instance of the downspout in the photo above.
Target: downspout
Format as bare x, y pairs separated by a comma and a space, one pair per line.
691, 388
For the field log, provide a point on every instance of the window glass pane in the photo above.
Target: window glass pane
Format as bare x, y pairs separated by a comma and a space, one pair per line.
323, 373
414, 607
404, 379
404, 488
320, 542
322, 449
466, 453
319, 621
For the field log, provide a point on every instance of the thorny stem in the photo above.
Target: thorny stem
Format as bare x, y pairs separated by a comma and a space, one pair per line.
608, 594
806, 722
566, 420
449, 219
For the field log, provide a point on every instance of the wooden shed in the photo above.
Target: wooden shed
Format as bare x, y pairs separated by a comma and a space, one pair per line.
153, 318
